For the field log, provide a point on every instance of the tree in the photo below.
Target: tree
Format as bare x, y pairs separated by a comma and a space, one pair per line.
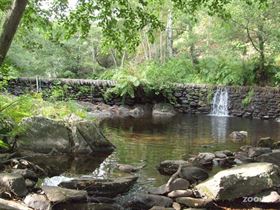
120, 20
257, 29
10, 27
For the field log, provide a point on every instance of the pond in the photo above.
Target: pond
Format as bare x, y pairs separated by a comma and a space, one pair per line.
147, 141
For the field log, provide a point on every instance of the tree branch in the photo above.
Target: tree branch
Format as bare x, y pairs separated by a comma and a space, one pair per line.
251, 40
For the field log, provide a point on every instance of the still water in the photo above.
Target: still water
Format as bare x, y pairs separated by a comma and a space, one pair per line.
151, 140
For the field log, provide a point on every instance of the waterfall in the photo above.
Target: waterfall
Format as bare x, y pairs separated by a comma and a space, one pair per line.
220, 102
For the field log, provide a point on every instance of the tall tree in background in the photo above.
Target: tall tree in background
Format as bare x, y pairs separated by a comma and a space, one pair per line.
10, 27
169, 32
121, 21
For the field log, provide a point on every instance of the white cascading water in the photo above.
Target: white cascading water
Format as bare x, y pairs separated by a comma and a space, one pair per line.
220, 103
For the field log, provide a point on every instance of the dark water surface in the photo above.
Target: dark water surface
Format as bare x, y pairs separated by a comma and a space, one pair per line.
151, 140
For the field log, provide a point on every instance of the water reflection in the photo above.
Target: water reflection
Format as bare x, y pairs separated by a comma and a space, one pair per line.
155, 139
219, 129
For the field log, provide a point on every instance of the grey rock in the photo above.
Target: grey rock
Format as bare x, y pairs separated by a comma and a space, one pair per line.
26, 173
220, 154
176, 206
103, 206
257, 151
238, 136
193, 174
242, 158
62, 195
240, 181
160, 208
245, 148
169, 167
12, 205
177, 184
13, 183
163, 110
29, 183
90, 138
102, 187
276, 145
128, 168
146, 201
180, 193
268, 197
265, 142
45, 135
38, 202
194, 202
224, 162
273, 157
203, 159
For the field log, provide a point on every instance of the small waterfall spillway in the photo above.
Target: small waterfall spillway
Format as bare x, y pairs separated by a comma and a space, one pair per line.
220, 103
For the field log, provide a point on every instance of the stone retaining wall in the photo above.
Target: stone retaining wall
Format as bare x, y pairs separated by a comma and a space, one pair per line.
250, 102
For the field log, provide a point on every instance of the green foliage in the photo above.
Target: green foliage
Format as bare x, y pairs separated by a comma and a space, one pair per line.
227, 71
128, 80
7, 71
3, 145
247, 100
160, 78
17, 108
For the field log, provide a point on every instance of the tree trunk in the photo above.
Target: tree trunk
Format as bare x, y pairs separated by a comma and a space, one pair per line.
261, 73
192, 50
160, 48
123, 59
144, 47
114, 58
169, 32
10, 27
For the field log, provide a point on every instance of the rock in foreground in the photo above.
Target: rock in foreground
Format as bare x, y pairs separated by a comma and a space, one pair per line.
13, 183
169, 167
61, 195
147, 201
240, 181
101, 187
44, 135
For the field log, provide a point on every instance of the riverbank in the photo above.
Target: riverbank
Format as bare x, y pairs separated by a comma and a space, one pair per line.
250, 185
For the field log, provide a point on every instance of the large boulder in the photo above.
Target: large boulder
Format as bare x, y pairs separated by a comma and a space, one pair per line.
240, 181
101, 187
13, 183
90, 138
45, 135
